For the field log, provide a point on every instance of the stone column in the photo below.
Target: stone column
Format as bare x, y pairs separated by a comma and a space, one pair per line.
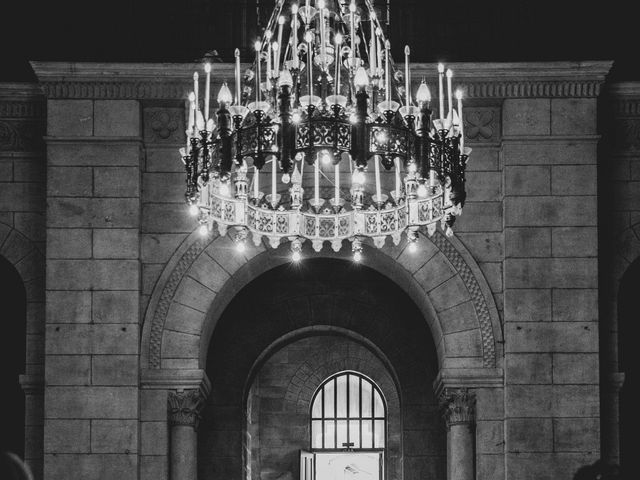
459, 413
184, 413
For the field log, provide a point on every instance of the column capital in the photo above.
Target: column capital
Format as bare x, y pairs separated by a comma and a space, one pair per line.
184, 406
458, 406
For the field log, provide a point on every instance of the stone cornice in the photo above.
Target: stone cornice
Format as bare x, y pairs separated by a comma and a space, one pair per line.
178, 380
455, 378
173, 81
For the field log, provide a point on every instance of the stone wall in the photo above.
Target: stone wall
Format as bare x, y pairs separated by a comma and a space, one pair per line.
132, 298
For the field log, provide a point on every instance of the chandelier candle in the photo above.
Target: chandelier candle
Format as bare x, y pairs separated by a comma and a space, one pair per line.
207, 89
238, 89
338, 40
258, 46
407, 75
269, 72
279, 47
323, 44
387, 74
459, 98
441, 91
373, 45
295, 61
352, 24
449, 97
195, 88
425, 157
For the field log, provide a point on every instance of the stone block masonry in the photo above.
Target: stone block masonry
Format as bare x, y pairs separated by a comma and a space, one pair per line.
93, 289
550, 278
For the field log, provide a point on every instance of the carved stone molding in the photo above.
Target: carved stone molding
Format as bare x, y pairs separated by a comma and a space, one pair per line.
172, 81
479, 302
21, 136
166, 297
458, 406
164, 125
184, 407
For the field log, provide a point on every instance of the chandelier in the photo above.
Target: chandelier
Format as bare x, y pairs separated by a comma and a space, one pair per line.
323, 141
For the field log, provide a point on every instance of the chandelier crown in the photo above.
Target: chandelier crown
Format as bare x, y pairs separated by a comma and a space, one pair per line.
322, 140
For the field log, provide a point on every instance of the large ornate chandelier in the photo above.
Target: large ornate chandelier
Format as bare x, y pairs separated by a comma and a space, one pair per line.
323, 140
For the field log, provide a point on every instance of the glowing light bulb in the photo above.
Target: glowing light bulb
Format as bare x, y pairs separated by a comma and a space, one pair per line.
320, 4
423, 95
281, 20
325, 157
413, 248
352, 7
422, 190
357, 257
412, 167
458, 94
441, 68
193, 210
224, 189
224, 96
257, 45
203, 230
308, 37
449, 73
339, 38
286, 178
241, 247
296, 117
295, 256
294, 9
192, 97
361, 79
353, 118
207, 67
358, 177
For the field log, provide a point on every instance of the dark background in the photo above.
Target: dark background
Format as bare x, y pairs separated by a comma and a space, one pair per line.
183, 30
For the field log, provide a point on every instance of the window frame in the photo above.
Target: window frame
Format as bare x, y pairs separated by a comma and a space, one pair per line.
319, 395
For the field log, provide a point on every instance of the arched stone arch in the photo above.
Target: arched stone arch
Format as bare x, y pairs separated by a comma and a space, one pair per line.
28, 261
299, 394
204, 275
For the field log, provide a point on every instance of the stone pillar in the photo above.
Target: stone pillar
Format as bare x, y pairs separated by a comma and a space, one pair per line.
184, 413
459, 413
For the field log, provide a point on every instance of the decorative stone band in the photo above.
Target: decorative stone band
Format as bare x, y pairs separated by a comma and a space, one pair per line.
184, 407
459, 406
171, 81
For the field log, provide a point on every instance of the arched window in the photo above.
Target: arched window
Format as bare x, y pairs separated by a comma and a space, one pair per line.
348, 411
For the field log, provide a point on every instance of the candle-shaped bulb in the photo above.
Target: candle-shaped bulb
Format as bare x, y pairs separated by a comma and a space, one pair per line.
407, 50
267, 34
321, 4
352, 7
338, 39
361, 79
281, 20
423, 95
458, 94
236, 53
257, 45
224, 96
192, 97
440, 68
274, 46
207, 67
294, 9
285, 80
449, 73
373, 16
195, 76
387, 44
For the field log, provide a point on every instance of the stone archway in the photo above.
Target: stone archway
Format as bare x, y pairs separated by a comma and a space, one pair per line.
28, 261
203, 276
626, 252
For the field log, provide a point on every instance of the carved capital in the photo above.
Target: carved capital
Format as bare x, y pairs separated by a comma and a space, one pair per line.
458, 406
184, 407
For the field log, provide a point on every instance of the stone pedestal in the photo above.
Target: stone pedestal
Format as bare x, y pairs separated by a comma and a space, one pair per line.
459, 413
184, 413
